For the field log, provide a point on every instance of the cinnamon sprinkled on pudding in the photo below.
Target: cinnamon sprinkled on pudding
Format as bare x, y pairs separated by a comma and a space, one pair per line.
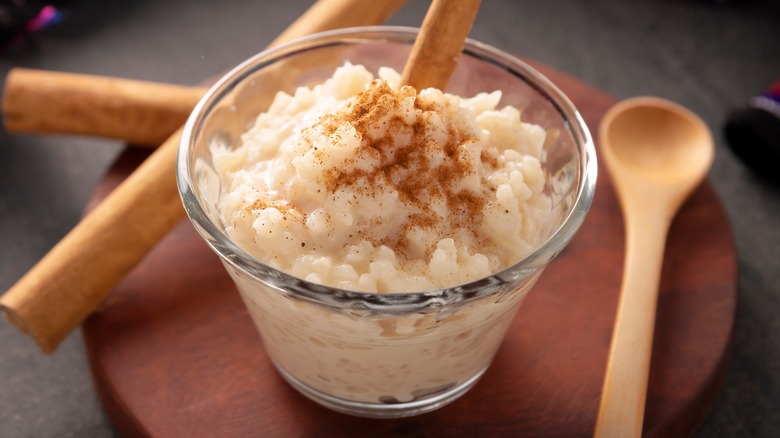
360, 184
410, 161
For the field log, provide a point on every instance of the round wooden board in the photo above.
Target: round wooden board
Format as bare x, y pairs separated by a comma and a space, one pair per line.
174, 353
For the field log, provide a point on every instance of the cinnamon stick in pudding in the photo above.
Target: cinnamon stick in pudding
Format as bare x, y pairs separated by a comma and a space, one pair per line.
58, 293
437, 48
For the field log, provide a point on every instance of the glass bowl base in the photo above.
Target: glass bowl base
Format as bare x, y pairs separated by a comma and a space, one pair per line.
382, 410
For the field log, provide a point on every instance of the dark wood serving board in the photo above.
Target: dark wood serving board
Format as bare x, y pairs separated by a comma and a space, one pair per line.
174, 353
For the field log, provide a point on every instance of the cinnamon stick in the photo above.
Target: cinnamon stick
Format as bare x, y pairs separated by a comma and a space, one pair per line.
142, 113
439, 44
139, 112
59, 292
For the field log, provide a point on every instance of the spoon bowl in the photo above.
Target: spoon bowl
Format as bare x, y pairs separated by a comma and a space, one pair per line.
656, 153
658, 140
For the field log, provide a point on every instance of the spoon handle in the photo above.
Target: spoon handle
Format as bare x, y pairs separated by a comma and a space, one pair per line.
625, 385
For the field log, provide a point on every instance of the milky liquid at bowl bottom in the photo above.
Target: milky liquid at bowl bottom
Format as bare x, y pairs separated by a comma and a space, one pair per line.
367, 363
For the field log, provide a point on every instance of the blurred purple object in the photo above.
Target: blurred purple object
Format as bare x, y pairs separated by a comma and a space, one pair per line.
19, 18
48, 15
753, 133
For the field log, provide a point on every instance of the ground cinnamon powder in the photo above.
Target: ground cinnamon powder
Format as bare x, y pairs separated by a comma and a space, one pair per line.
407, 167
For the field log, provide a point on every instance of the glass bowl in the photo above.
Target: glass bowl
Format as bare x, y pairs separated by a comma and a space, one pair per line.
388, 354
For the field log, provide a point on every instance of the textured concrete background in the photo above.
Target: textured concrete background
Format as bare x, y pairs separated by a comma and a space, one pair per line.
710, 56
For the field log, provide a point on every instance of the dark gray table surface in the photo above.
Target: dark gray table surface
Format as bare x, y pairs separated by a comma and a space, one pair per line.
709, 56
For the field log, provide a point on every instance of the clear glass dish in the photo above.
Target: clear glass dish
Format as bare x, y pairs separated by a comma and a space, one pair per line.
393, 354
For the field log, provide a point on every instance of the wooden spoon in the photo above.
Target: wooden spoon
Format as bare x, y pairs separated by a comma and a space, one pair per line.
657, 153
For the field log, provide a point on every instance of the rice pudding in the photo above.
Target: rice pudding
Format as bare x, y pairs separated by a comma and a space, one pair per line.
363, 185
359, 184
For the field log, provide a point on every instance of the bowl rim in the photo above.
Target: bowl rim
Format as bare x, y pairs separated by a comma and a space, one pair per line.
535, 261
